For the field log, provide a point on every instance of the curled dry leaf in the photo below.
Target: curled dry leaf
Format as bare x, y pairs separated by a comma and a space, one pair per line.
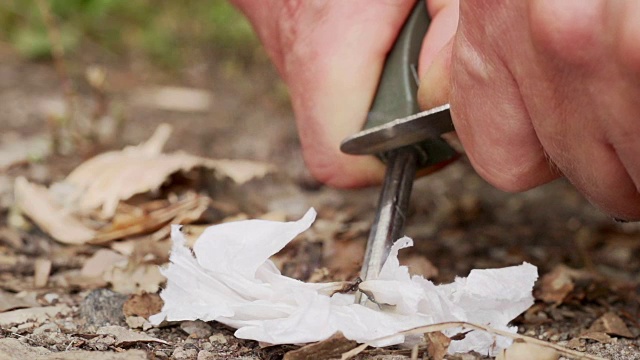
105, 180
89, 205
36, 202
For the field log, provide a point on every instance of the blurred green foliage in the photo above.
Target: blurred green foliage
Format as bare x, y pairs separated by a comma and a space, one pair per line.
162, 30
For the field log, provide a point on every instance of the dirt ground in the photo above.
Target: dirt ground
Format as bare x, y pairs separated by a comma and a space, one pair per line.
458, 221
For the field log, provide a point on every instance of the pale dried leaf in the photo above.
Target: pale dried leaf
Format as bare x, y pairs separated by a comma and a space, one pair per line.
105, 180
36, 203
10, 301
100, 262
38, 315
125, 336
134, 278
15, 349
520, 350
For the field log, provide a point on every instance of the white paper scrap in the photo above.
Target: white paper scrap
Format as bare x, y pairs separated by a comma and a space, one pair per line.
229, 278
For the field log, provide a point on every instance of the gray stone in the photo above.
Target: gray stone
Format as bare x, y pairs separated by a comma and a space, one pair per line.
103, 307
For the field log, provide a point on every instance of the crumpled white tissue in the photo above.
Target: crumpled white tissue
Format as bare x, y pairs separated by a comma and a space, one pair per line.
232, 280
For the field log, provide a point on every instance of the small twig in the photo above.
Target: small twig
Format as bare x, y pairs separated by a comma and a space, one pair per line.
70, 344
461, 324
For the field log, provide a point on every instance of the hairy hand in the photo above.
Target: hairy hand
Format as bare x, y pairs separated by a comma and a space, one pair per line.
330, 54
538, 88
545, 88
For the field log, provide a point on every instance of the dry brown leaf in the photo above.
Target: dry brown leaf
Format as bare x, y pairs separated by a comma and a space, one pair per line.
10, 301
438, 345
611, 324
37, 314
326, 349
520, 350
185, 210
42, 269
556, 285
143, 305
35, 201
126, 337
94, 193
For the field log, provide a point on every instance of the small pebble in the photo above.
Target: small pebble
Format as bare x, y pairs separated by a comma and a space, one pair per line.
51, 298
206, 355
160, 354
197, 329
26, 326
218, 338
49, 327
180, 353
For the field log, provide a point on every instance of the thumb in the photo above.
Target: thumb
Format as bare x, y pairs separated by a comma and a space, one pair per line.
435, 84
435, 57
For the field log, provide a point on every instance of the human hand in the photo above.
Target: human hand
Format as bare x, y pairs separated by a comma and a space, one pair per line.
538, 89
544, 88
331, 54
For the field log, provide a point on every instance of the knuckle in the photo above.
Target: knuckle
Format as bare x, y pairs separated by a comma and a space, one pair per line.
565, 30
513, 174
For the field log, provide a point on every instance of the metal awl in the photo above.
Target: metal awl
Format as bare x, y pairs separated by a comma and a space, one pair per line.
404, 138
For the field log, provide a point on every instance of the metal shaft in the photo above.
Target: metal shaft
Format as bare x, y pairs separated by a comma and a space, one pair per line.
392, 210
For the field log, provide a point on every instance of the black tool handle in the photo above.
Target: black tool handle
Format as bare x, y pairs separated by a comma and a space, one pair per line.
396, 96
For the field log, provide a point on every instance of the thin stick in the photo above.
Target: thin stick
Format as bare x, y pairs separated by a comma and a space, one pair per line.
461, 324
